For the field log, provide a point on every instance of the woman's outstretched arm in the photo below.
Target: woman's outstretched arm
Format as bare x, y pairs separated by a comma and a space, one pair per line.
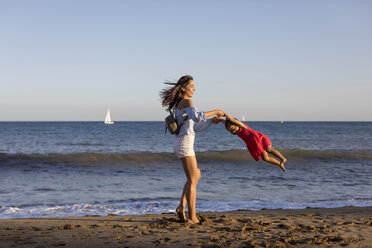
188, 103
214, 112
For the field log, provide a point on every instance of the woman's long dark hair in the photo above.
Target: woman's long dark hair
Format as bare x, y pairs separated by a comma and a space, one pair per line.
171, 96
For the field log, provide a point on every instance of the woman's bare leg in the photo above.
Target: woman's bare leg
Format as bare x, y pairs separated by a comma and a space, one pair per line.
181, 208
193, 174
265, 157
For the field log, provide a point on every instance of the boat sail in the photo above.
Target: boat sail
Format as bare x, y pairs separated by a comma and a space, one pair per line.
243, 118
108, 118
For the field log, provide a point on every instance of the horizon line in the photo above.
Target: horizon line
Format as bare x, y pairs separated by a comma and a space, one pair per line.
163, 121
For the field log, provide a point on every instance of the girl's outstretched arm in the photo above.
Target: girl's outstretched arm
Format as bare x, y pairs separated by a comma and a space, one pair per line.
236, 121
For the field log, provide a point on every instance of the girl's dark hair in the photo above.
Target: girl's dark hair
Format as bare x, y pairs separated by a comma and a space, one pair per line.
171, 96
228, 123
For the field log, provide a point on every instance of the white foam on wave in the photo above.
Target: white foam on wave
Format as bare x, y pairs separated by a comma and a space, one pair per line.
162, 206
126, 208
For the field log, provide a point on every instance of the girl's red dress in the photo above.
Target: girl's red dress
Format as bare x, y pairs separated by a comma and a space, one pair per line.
256, 142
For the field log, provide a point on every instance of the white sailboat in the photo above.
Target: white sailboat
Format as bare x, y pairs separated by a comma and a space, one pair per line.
108, 118
243, 118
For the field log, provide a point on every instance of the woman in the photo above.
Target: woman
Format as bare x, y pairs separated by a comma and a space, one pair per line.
177, 100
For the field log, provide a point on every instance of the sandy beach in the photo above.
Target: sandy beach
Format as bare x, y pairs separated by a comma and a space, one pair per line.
338, 227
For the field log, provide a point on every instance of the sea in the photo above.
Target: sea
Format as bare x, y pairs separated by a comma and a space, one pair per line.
55, 169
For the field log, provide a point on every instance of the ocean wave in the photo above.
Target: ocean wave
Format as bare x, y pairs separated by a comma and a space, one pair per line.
88, 158
80, 144
158, 206
295, 155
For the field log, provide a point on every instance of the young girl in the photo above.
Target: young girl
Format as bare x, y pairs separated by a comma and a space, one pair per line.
258, 144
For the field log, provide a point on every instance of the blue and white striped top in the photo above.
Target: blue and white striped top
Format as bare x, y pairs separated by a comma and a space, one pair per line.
195, 123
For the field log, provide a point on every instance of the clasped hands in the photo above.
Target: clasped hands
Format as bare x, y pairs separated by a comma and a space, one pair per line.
217, 119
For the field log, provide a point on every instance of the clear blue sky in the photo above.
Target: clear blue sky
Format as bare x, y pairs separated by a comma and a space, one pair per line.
71, 60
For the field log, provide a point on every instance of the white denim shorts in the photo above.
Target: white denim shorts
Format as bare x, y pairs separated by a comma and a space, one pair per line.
184, 146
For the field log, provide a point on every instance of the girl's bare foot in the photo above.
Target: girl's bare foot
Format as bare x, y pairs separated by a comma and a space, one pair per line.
193, 221
181, 214
282, 166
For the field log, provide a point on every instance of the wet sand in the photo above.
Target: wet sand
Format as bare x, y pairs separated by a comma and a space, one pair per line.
339, 227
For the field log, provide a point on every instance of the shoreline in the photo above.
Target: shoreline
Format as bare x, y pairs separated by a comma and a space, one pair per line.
313, 227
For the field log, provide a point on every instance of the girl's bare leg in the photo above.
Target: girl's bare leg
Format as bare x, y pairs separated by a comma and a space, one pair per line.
265, 157
276, 153
193, 174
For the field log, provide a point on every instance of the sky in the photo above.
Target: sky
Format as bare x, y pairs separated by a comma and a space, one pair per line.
294, 60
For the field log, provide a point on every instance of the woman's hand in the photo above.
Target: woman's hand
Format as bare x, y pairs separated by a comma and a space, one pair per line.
211, 113
219, 112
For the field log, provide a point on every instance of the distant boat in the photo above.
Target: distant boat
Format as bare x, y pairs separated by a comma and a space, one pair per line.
243, 119
108, 118
281, 120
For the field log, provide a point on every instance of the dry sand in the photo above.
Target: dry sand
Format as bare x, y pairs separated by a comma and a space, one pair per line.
340, 227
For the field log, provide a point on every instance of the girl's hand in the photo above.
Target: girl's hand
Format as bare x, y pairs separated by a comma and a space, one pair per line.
228, 116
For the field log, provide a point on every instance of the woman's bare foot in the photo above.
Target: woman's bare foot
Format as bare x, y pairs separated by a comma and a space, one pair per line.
193, 221
181, 214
